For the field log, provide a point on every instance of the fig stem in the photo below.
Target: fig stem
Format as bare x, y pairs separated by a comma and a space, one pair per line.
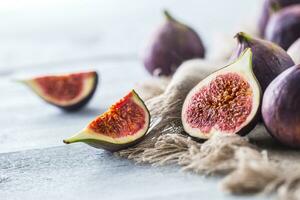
241, 36
75, 138
168, 16
274, 7
66, 141
19, 80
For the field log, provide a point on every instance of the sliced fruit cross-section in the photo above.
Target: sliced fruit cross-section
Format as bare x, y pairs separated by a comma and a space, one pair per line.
67, 91
225, 102
124, 124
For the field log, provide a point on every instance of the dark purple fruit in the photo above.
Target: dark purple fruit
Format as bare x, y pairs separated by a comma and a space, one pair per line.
123, 125
269, 8
171, 44
68, 91
226, 102
284, 27
269, 60
294, 51
281, 107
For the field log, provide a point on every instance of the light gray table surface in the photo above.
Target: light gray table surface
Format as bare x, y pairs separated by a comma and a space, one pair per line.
38, 37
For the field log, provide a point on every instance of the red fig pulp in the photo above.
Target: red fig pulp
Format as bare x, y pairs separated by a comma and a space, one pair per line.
123, 125
67, 91
281, 108
226, 102
171, 44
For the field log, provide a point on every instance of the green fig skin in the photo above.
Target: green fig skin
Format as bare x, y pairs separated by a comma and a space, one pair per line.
269, 8
171, 44
284, 27
269, 60
281, 108
111, 147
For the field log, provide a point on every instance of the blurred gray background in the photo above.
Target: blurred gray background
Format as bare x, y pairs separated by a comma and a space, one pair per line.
34, 33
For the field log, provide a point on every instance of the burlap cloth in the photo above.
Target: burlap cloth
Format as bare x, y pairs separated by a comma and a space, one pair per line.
252, 164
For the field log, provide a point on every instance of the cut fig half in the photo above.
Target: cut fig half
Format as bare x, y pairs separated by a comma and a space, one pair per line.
123, 125
226, 102
67, 91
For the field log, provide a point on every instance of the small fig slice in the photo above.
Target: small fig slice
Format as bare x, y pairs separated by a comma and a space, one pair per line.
67, 91
123, 125
268, 59
294, 51
269, 8
171, 44
281, 107
226, 102
283, 27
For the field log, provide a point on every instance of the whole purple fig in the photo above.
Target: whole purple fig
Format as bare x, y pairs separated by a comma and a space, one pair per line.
281, 108
268, 59
284, 26
171, 44
294, 51
269, 8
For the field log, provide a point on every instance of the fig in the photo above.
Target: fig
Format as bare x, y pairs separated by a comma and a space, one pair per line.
67, 91
281, 108
294, 51
269, 8
284, 26
170, 45
225, 102
268, 59
123, 125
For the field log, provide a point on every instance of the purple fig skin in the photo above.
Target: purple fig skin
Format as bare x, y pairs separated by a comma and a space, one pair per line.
268, 59
281, 108
264, 18
269, 8
171, 44
284, 27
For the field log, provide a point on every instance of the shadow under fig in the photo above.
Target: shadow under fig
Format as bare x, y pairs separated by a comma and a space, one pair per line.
262, 139
85, 112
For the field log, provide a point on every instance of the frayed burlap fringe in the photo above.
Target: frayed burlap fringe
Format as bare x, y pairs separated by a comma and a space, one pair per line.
246, 168
152, 87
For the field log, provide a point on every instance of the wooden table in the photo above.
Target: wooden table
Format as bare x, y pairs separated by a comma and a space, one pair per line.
61, 36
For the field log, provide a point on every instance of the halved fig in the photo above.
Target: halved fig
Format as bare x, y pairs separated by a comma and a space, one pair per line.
67, 91
123, 125
226, 102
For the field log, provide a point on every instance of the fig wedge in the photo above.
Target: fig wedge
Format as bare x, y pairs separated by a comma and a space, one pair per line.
69, 92
123, 125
